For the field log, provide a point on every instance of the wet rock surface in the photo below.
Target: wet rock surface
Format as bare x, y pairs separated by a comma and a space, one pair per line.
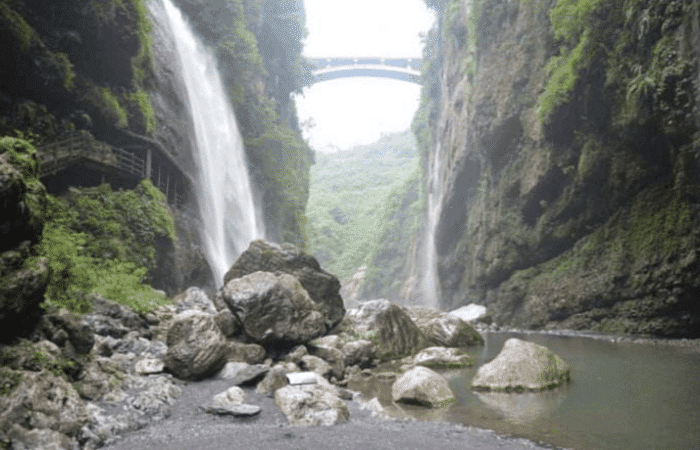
422, 386
387, 325
273, 308
522, 366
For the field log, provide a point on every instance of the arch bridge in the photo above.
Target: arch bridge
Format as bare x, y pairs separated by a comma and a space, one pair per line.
333, 68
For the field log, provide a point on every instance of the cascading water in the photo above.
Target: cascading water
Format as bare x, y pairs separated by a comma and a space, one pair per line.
430, 283
224, 192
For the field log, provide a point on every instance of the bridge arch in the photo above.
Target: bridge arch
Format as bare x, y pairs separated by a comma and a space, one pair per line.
404, 69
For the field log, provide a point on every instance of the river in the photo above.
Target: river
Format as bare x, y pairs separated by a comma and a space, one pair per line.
622, 395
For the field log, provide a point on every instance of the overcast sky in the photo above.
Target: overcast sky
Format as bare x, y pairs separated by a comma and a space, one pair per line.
354, 111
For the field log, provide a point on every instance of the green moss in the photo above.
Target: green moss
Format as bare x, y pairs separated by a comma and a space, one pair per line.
109, 105
22, 155
143, 104
573, 24
9, 380
659, 232
20, 28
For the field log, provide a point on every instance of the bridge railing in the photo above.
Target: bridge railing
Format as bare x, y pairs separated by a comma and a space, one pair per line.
56, 156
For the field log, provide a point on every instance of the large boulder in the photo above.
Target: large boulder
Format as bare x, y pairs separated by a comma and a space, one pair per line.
311, 405
323, 288
24, 276
522, 366
451, 331
40, 400
196, 346
273, 308
471, 313
387, 326
422, 386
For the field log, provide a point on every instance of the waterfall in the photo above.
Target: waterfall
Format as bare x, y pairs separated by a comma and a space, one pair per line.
430, 283
224, 192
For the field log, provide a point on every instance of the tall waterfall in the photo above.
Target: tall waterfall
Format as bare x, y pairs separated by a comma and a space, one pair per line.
224, 191
430, 282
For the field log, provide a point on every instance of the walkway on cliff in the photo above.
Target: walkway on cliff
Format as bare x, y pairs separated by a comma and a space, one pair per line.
82, 152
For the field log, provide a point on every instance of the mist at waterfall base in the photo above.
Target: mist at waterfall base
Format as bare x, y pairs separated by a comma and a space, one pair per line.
224, 191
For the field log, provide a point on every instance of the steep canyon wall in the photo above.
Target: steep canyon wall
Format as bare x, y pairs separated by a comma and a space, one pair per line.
569, 134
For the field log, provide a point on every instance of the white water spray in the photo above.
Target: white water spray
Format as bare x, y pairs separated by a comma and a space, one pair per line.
224, 191
430, 282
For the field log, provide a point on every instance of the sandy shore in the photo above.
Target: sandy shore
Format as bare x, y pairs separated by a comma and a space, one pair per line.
190, 428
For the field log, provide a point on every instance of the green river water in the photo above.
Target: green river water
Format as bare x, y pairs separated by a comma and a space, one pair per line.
622, 395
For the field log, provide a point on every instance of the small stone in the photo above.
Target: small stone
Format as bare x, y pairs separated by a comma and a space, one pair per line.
148, 366
241, 410
234, 394
241, 373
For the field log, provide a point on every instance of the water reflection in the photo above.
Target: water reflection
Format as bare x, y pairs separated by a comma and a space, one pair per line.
524, 407
622, 395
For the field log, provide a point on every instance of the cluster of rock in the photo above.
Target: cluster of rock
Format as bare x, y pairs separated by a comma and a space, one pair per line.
278, 324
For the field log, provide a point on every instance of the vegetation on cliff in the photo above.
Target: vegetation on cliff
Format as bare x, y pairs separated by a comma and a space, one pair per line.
63, 60
98, 241
364, 210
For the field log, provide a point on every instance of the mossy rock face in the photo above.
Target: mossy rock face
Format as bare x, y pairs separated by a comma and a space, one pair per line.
570, 169
23, 275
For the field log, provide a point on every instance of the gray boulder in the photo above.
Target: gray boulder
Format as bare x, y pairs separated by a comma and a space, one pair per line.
311, 405
241, 373
296, 354
422, 386
333, 357
522, 366
194, 299
388, 326
442, 357
360, 353
247, 353
323, 288
196, 346
40, 400
471, 313
227, 322
148, 366
275, 379
273, 308
316, 365
230, 402
451, 331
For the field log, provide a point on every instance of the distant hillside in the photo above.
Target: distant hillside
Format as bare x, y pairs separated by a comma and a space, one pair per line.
353, 199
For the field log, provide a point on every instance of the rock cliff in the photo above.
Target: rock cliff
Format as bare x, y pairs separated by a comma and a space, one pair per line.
567, 136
